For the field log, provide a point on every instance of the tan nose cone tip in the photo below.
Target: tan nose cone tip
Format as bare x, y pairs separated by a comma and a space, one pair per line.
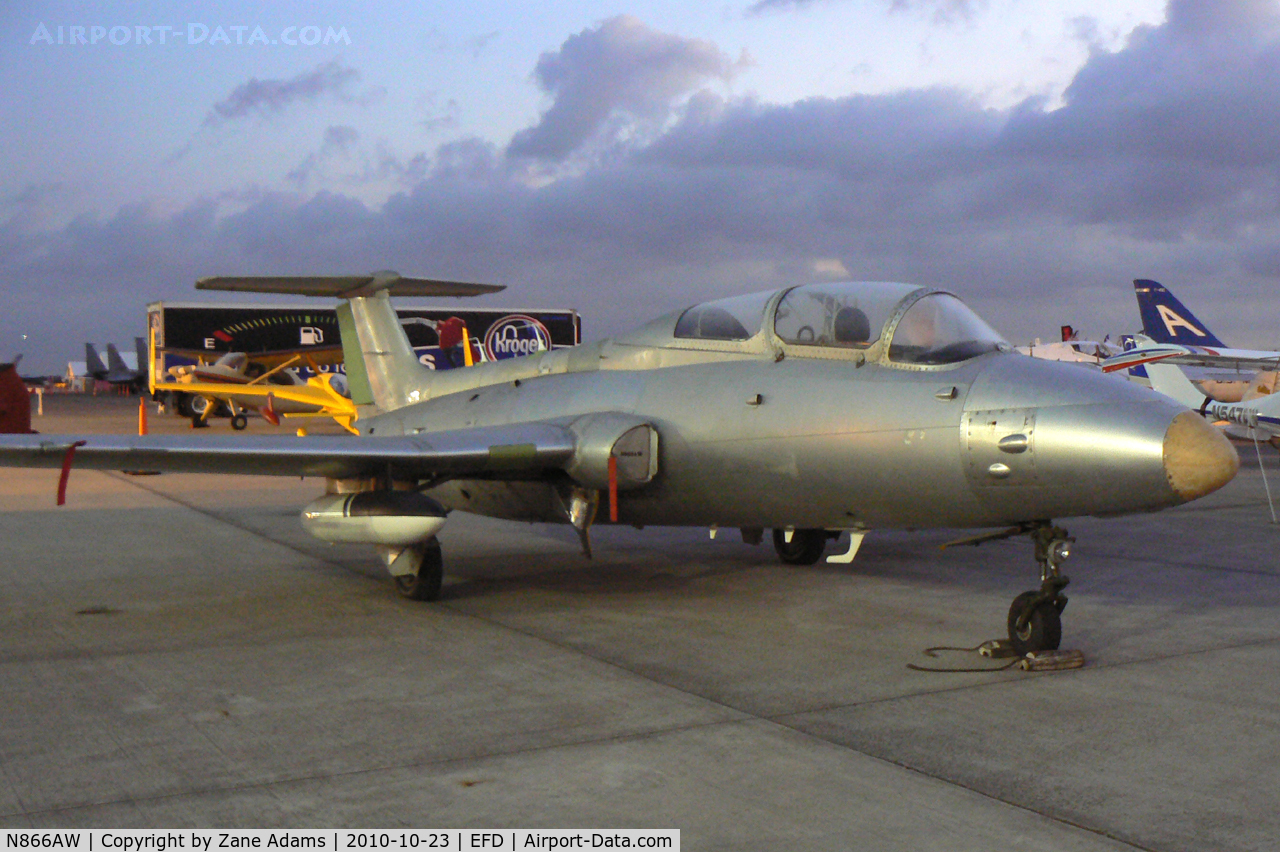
1198, 458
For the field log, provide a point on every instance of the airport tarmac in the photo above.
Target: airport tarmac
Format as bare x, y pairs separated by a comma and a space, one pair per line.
175, 651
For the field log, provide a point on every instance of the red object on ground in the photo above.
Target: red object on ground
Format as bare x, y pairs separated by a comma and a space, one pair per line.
15, 402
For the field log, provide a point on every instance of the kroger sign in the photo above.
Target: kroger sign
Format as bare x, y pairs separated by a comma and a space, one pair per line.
515, 335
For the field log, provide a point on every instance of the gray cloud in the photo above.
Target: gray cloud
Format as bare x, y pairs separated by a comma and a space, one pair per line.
943, 11
338, 142
340, 160
765, 6
621, 65
1163, 162
261, 97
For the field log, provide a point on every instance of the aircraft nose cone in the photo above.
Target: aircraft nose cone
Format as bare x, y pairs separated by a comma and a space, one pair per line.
1198, 459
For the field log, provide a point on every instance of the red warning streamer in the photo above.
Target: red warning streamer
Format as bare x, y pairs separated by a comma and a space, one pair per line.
66, 471
613, 489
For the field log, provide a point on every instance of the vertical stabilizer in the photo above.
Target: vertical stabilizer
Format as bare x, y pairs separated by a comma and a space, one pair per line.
1169, 380
380, 364
92, 363
1167, 320
140, 350
394, 374
115, 363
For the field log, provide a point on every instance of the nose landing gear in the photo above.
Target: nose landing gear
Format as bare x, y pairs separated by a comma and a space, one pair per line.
1035, 618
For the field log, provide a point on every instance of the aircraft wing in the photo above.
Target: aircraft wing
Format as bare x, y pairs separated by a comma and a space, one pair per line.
1194, 356
272, 358
507, 452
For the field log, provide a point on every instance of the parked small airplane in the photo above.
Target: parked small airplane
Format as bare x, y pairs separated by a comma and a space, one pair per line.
1167, 322
240, 384
1257, 416
277, 393
814, 410
1071, 348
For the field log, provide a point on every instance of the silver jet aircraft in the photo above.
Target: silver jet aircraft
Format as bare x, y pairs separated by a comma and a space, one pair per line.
810, 411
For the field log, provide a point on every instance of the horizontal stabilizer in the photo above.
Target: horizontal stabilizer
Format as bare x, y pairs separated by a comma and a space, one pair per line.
346, 286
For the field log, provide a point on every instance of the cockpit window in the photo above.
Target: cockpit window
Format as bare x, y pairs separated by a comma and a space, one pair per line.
734, 318
940, 329
840, 314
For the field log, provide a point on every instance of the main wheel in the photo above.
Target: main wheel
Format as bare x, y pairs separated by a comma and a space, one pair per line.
805, 547
1043, 630
425, 585
239, 422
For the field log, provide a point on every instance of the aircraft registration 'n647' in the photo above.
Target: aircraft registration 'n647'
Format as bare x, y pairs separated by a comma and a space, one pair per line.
810, 410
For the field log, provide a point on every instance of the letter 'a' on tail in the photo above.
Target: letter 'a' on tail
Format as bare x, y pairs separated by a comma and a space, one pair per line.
380, 364
1167, 320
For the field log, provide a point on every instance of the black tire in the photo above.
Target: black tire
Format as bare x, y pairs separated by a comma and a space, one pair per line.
425, 585
805, 548
200, 404
1043, 631
239, 422
182, 404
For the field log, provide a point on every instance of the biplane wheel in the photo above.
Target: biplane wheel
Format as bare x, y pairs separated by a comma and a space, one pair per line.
239, 422
1043, 631
805, 547
425, 585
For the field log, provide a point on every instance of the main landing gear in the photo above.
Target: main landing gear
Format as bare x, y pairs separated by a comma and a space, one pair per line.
423, 570
800, 547
1035, 617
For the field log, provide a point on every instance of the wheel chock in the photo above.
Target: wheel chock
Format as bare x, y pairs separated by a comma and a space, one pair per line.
1051, 661
997, 649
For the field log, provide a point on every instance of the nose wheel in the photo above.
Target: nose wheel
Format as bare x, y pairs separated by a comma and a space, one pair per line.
1035, 617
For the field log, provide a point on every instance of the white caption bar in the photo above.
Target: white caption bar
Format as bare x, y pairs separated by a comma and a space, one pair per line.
454, 839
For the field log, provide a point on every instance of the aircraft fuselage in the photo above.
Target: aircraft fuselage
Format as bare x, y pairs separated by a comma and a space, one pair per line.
814, 442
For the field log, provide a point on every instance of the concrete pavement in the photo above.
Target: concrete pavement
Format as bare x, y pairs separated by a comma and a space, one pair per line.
176, 651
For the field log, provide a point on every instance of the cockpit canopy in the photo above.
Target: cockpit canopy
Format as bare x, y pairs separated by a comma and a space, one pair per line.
931, 327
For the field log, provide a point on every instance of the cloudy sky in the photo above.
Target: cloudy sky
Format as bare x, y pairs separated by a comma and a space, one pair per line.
629, 158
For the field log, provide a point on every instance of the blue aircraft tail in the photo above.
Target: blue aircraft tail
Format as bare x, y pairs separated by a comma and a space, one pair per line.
1167, 320
1139, 372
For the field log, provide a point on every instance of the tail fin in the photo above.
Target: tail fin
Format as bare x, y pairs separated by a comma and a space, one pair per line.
92, 363
1167, 320
1169, 380
114, 361
380, 364
1127, 342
